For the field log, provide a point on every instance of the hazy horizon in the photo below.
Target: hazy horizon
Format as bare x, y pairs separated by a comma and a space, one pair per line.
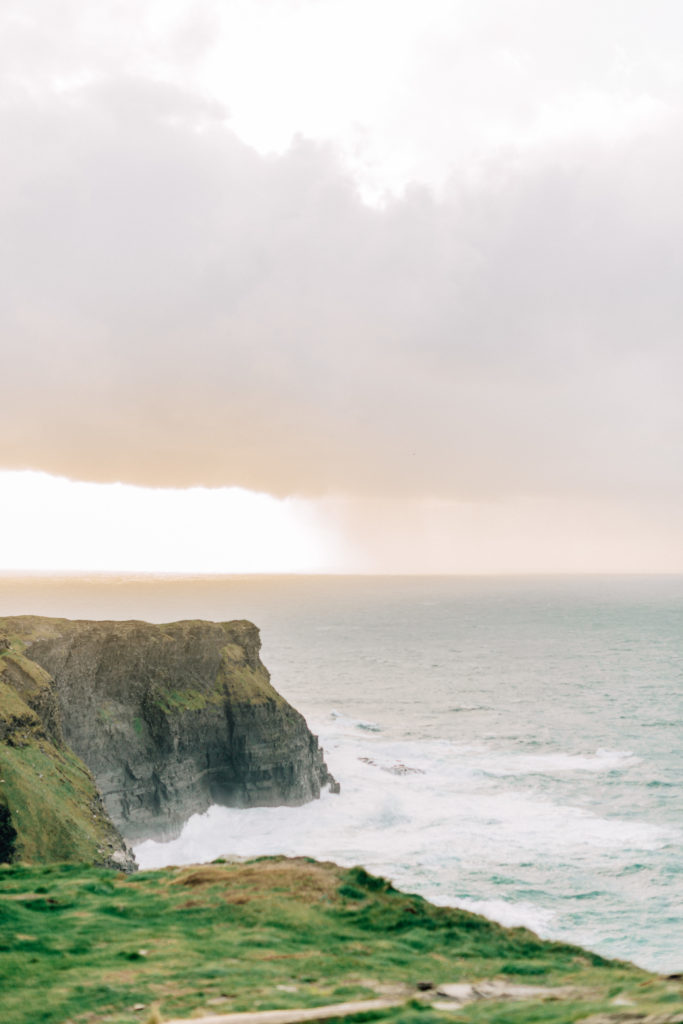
130, 575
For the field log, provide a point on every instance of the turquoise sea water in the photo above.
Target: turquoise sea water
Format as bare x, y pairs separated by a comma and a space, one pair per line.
512, 745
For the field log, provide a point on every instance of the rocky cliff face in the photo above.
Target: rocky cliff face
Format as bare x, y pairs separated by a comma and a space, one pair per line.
171, 718
50, 808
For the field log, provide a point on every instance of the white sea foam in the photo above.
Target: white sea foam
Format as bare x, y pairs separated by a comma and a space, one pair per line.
513, 915
528, 764
345, 723
443, 829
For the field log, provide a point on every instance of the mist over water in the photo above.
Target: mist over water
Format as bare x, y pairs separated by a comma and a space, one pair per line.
510, 745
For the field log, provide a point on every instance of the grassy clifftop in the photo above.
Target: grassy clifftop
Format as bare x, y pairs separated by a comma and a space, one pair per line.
169, 718
82, 944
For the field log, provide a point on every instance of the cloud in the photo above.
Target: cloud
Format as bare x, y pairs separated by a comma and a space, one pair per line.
182, 310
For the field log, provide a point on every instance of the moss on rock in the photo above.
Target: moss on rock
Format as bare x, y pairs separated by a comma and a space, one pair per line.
50, 808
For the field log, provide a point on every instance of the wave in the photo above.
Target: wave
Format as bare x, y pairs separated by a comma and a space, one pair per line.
354, 723
553, 763
513, 915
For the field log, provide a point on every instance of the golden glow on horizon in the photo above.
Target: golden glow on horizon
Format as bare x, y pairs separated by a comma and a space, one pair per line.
51, 523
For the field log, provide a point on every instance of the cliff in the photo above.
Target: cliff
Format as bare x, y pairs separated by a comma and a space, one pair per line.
168, 718
50, 809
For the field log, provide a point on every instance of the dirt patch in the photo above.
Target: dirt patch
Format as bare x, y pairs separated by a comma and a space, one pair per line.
296, 878
210, 874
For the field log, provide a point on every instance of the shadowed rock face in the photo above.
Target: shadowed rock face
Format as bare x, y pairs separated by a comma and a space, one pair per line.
50, 807
172, 718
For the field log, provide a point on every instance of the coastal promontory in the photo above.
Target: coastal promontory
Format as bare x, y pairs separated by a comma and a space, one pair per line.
169, 719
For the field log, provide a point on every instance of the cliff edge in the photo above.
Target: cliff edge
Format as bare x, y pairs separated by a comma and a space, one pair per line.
50, 808
168, 718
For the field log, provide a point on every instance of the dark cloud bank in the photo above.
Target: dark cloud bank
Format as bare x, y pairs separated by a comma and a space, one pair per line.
177, 309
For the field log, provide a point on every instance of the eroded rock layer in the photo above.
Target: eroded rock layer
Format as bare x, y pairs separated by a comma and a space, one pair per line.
170, 718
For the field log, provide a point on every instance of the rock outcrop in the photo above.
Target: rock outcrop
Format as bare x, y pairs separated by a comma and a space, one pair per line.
50, 808
169, 718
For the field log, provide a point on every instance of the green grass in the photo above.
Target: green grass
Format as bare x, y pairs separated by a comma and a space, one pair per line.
234, 679
12, 707
85, 944
186, 700
245, 684
47, 793
55, 805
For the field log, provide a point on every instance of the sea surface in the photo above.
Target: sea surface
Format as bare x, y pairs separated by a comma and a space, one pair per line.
509, 745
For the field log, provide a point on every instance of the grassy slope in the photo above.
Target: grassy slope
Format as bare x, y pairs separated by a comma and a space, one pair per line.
50, 795
55, 806
86, 944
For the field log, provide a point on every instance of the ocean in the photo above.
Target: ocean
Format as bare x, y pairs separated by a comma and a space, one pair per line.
510, 745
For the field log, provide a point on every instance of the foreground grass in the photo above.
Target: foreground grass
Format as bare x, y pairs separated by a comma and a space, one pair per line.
85, 944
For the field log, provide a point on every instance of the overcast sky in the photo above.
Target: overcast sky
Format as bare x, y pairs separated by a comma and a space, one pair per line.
417, 263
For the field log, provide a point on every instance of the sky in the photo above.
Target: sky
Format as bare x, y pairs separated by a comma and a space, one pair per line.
341, 285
